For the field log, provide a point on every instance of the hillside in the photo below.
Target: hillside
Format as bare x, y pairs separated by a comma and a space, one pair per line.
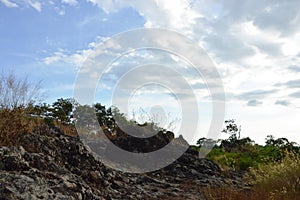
48, 164
43, 157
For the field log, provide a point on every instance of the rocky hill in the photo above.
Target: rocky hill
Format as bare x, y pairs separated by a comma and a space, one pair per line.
48, 164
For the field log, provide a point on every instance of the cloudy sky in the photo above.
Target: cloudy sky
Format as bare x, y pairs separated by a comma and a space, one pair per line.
255, 46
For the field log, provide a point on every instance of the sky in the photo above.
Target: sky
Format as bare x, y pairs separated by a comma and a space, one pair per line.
254, 45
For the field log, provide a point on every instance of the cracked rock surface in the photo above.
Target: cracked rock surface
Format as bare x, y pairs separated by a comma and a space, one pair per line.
53, 165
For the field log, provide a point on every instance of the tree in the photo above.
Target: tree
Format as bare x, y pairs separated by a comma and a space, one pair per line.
280, 143
17, 92
101, 114
270, 140
232, 129
62, 110
206, 142
85, 117
200, 141
235, 143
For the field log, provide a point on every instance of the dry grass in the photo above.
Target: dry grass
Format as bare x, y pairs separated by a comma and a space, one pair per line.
14, 122
274, 181
68, 129
280, 180
18, 121
229, 193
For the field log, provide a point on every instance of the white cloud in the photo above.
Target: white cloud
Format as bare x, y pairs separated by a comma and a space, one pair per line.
35, 4
248, 41
38, 4
254, 103
61, 56
24, 3
229, 31
257, 42
253, 43
175, 14
9, 3
70, 2
282, 102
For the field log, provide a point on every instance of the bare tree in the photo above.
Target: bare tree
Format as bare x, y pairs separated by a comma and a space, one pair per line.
16, 92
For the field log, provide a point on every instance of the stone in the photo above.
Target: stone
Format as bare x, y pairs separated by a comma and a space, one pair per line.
51, 165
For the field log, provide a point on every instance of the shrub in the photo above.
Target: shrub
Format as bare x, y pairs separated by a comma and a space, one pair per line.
14, 122
17, 92
16, 98
280, 179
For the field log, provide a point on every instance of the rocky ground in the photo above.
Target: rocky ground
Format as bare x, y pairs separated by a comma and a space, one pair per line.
52, 165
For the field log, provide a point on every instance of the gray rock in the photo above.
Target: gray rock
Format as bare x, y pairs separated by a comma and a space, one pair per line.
51, 165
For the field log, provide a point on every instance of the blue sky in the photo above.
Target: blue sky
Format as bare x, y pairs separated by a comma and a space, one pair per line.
255, 46
29, 35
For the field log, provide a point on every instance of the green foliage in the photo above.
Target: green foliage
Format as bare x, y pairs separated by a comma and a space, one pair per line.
235, 160
250, 156
242, 153
85, 117
232, 129
234, 143
101, 113
62, 110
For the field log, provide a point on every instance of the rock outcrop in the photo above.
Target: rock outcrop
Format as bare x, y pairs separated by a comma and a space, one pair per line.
48, 164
